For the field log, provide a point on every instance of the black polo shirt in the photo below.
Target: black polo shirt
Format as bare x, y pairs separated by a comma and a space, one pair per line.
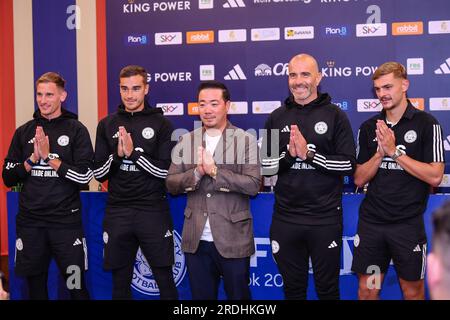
393, 194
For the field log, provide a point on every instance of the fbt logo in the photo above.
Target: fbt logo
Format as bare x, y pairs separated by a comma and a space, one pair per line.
264, 70
146, 7
134, 40
414, 66
371, 30
168, 38
336, 31
369, 105
407, 28
170, 77
205, 4
171, 109
207, 72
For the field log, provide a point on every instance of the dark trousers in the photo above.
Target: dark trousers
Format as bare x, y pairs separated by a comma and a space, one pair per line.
206, 267
295, 244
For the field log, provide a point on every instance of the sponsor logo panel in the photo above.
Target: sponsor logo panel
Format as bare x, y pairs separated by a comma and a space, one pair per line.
407, 28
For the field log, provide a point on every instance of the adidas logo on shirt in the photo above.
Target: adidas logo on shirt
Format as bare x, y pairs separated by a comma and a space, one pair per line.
236, 74
286, 129
332, 245
77, 242
31, 141
168, 234
417, 249
443, 68
116, 135
234, 4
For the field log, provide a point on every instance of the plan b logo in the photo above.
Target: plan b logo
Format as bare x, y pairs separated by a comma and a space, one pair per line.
336, 31
369, 105
136, 40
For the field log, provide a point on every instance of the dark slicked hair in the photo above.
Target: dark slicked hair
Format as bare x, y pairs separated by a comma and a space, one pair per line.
133, 70
52, 77
215, 85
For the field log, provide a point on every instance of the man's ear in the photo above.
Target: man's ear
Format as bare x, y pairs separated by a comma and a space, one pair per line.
405, 85
63, 96
147, 88
228, 105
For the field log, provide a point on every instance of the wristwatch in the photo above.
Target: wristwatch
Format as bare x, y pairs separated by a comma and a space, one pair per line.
30, 162
51, 156
310, 155
397, 153
213, 173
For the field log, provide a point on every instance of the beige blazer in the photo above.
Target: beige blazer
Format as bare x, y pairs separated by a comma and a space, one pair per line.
225, 199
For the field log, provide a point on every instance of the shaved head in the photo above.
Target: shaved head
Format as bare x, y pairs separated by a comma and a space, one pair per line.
306, 58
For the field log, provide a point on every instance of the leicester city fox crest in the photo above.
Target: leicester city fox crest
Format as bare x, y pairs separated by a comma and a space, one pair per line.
143, 279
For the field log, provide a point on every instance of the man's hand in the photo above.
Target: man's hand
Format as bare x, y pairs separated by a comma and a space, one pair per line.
126, 141
379, 148
35, 155
120, 146
208, 162
3, 294
199, 168
299, 142
42, 141
386, 138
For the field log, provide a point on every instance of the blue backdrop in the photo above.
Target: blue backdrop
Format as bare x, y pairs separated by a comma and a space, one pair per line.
247, 44
265, 281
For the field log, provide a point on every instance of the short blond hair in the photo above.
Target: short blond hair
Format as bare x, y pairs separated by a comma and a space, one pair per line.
396, 68
52, 77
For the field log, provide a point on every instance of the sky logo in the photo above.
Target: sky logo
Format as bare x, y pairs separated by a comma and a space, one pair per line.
136, 40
